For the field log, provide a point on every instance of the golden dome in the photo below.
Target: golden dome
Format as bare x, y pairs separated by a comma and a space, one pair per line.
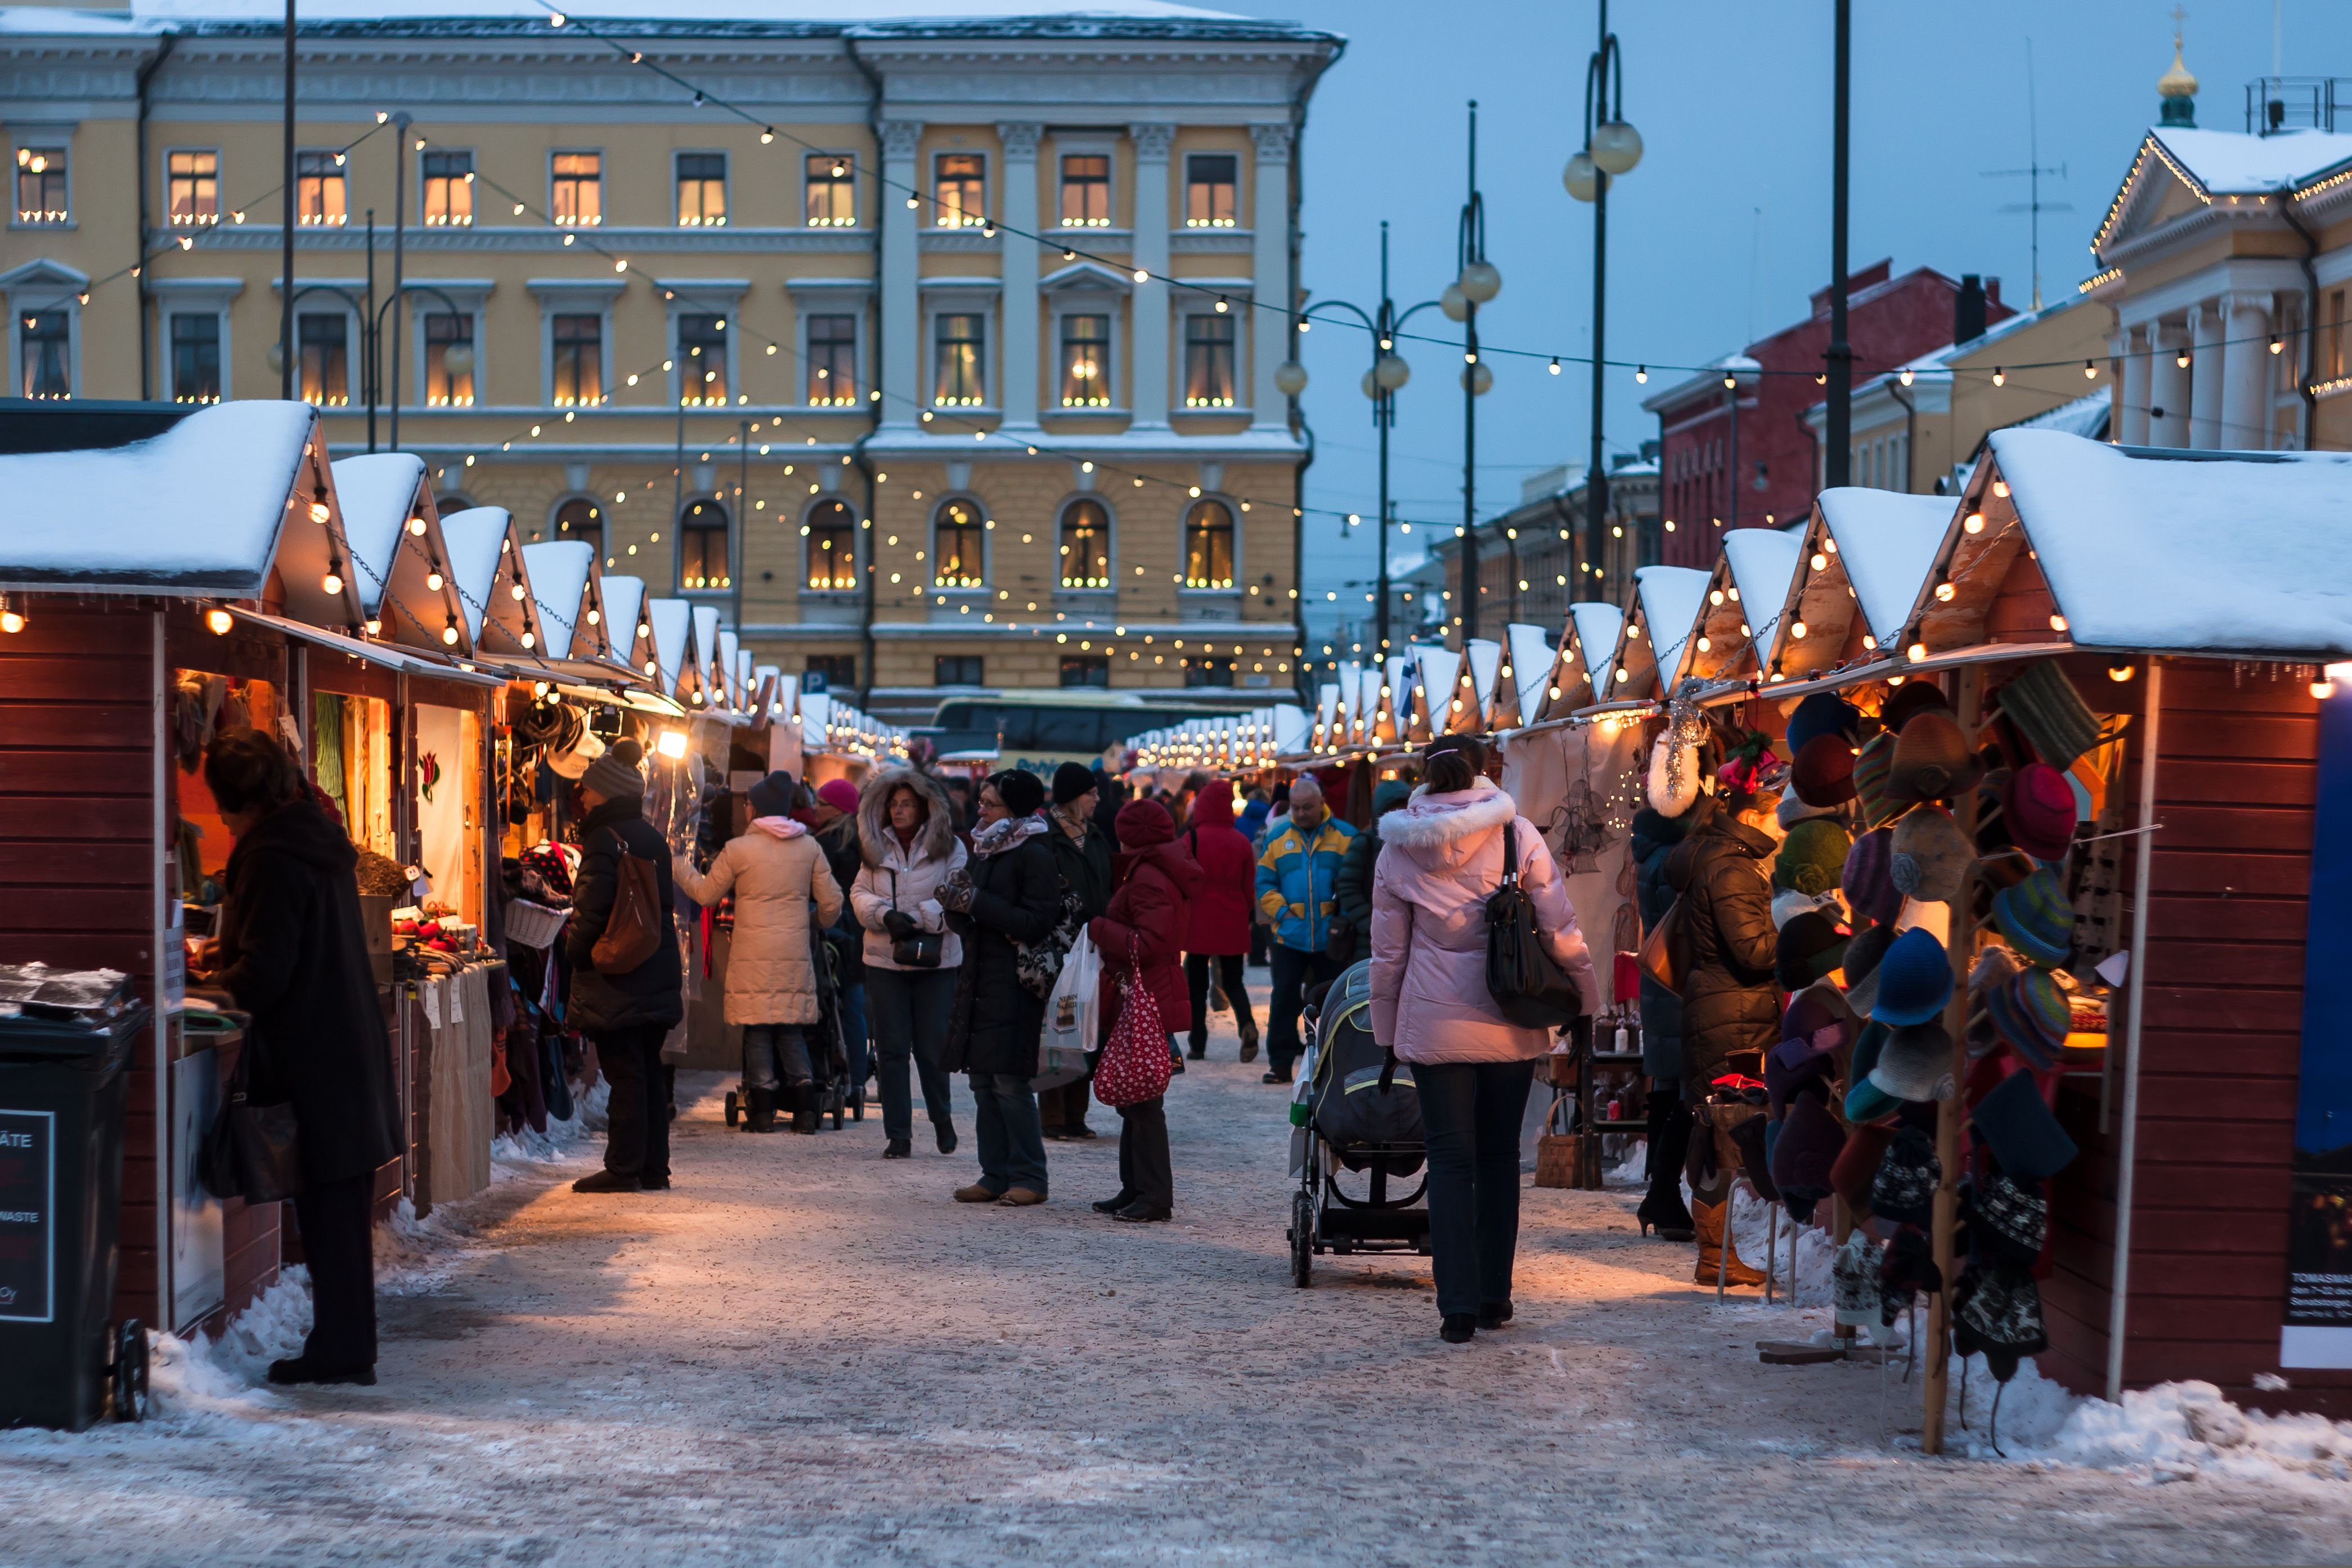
2177, 82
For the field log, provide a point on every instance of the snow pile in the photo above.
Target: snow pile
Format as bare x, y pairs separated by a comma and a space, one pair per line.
1756, 1238
2175, 1431
1630, 1170
197, 1384
531, 1148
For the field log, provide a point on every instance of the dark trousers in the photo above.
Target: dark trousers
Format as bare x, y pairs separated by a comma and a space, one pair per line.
1145, 1173
1011, 1144
1229, 977
774, 1050
908, 1010
1293, 974
337, 1243
1470, 1114
636, 1140
853, 1033
1065, 1109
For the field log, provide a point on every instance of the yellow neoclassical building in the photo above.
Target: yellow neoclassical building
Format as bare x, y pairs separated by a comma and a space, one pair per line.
935, 353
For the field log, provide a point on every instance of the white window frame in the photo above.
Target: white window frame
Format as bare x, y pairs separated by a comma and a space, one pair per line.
33, 289
319, 302
931, 546
194, 296
965, 296
856, 215
1240, 590
721, 297
28, 133
220, 188
572, 296
832, 296
1106, 148
469, 296
726, 185
1061, 510
856, 550
601, 190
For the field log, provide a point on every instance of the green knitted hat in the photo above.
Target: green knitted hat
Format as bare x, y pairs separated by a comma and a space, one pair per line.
1870, 770
1812, 857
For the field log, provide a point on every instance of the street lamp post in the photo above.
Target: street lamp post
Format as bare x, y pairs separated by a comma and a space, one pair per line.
1478, 282
1611, 147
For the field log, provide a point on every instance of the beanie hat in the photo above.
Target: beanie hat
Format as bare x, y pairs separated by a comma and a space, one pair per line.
1854, 1276
614, 775
1021, 790
2038, 807
1871, 766
1809, 948
1908, 1267
2050, 713
1928, 857
2032, 1015
1857, 1164
2007, 1223
2016, 1124
1865, 1101
1932, 760
1822, 713
1905, 1188
1997, 1313
1868, 878
1822, 773
1864, 954
1811, 858
1804, 1155
1917, 1064
1911, 699
2034, 915
771, 796
1914, 981
1787, 1070
840, 794
1793, 810
1071, 779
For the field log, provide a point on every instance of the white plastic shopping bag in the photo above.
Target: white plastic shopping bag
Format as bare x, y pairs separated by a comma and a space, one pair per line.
1071, 1021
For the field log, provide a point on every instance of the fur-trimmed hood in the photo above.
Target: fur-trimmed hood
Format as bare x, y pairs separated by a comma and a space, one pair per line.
936, 840
1442, 831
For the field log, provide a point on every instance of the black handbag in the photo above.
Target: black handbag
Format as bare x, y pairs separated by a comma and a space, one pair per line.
916, 949
1527, 984
252, 1151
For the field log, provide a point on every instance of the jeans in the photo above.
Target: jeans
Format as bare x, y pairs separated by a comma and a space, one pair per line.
1145, 1176
769, 1049
1470, 1114
1293, 974
1011, 1146
1229, 976
637, 1139
853, 1033
908, 1010
336, 1223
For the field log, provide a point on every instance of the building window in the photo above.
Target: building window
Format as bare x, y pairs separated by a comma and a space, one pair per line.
958, 670
831, 183
193, 188
831, 535
44, 338
959, 375
701, 190
326, 359
448, 190
1208, 361
833, 360
961, 199
196, 358
702, 547
318, 189
702, 359
1086, 361
1208, 545
579, 191
1086, 191
1085, 546
580, 519
448, 361
2336, 356
579, 347
833, 671
957, 546
1085, 669
41, 185
1209, 186
1207, 671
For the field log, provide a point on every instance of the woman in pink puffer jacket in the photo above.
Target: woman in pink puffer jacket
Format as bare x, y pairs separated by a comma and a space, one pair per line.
1440, 859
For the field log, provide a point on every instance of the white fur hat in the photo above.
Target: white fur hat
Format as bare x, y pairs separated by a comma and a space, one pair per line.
1673, 776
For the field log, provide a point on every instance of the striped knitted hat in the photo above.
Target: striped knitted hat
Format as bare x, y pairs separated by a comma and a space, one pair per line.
2037, 919
1869, 772
2032, 1015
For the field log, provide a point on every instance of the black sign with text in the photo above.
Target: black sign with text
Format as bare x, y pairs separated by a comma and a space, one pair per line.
28, 1186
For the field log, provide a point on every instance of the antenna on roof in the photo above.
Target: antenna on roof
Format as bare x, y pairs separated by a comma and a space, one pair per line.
2033, 172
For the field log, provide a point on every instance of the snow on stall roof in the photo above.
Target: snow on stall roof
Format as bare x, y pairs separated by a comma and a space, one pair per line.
375, 493
558, 582
1440, 668
2085, 417
1669, 597
196, 510
1887, 540
1598, 627
841, 10
1534, 651
673, 623
706, 646
1762, 562
624, 603
2226, 161
2147, 548
474, 537
1485, 658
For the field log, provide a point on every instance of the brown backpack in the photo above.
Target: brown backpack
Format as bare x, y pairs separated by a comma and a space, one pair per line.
633, 931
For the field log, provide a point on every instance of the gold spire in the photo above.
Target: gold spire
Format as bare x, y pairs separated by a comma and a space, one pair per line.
2177, 82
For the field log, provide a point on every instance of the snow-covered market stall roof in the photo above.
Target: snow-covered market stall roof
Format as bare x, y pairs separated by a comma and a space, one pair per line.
1744, 596
1864, 555
631, 632
1666, 601
672, 625
398, 552
564, 581
1579, 670
486, 564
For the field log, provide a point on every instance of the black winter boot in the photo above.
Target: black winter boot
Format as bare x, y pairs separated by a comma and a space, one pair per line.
761, 1115
806, 1115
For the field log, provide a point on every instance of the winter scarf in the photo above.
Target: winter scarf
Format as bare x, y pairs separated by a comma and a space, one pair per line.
1004, 833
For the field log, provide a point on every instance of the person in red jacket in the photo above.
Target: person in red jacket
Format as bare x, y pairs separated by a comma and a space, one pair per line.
1219, 928
1152, 883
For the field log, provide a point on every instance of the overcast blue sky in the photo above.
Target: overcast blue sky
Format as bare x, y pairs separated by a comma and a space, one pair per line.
1723, 230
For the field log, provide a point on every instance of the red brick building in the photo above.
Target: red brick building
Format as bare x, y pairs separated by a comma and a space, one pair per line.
1758, 464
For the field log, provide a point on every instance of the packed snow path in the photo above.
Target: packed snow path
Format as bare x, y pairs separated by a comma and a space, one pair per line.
802, 1353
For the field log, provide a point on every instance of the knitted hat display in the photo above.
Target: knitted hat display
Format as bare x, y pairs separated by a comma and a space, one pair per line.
1997, 1313
1905, 1188
1822, 713
1809, 947
1818, 1017
1864, 954
1908, 1269
1914, 981
1787, 1076
1802, 1156
1812, 857
2049, 712
1917, 1064
2036, 918
2008, 1222
1871, 766
1674, 777
2032, 1015
2016, 1124
1792, 810
1932, 760
1865, 1101
2039, 807
1854, 1278
1928, 857
1755, 1163
1911, 699
1867, 878
1857, 1165
1822, 773
2005, 867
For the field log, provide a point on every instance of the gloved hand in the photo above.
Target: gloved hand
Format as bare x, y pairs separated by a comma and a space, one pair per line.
899, 924
955, 893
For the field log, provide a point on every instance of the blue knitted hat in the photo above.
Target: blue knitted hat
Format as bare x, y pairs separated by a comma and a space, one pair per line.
1914, 981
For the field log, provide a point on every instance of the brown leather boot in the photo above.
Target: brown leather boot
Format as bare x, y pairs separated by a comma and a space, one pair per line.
1718, 1250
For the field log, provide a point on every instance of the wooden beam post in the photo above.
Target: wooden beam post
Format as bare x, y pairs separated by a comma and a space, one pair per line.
1960, 947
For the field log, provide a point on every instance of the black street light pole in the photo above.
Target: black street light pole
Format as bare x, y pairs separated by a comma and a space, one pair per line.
1837, 440
286, 283
1611, 148
1478, 282
399, 123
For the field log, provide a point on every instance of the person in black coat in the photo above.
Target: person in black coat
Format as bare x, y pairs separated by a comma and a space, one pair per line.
1655, 838
1009, 892
291, 950
1729, 1000
627, 1015
1082, 854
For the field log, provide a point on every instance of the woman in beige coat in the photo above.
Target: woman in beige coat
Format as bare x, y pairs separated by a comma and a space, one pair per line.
774, 870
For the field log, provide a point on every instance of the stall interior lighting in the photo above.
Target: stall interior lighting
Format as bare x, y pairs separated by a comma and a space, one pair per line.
219, 622
672, 744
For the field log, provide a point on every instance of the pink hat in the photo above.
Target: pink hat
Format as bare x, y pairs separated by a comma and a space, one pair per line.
838, 793
2039, 807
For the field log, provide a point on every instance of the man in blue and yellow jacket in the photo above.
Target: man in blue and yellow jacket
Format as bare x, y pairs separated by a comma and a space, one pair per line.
1296, 893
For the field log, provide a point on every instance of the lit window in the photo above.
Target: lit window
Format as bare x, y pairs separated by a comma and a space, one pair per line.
448, 190
579, 193
1086, 361
702, 547
1085, 670
43, 341
702, 359
1205, 671
962, 194
41, 185
1209, 180
1085, 546
320, 192
1208, 545
579, 347
196, 358
959, 375
701, 190
194, 189
448, 361
957, 670
326, 359
1208, 361
958, 540
833, 360
1086, 191
580, 518
831, 182
832, 547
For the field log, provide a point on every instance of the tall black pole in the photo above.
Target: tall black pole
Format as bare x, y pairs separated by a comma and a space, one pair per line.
1837, 440
399, 123
740, 535
286, 282
1596, 472
1470, 249
371, 346
1732, 506
1383, 416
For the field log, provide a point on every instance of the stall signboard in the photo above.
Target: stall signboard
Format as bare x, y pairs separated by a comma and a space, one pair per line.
2319, 1332
28, 1240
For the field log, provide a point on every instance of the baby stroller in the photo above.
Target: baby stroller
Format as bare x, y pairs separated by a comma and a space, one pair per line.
1346, 1121
830, 1093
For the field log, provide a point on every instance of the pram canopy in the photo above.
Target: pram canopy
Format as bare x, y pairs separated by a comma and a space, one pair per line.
1350, 1111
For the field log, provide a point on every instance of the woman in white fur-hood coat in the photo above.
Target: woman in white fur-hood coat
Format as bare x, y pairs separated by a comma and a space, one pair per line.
1440, 859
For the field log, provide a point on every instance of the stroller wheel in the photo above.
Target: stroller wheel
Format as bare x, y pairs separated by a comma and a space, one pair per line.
1302, 1239
734, 1107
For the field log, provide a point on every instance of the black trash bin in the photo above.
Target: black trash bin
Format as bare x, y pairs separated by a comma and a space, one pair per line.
63, 1087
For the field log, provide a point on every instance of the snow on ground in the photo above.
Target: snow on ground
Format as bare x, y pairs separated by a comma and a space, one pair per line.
804, 1355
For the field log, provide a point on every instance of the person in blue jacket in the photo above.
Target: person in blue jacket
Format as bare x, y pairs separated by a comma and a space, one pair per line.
1297, 892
